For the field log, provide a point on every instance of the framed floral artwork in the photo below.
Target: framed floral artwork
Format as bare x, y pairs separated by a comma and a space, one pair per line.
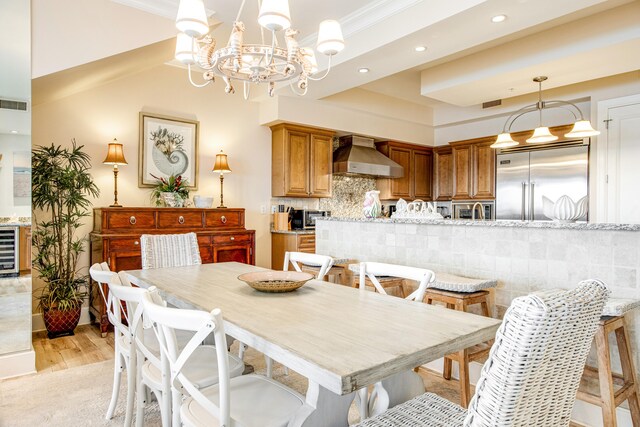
168, 146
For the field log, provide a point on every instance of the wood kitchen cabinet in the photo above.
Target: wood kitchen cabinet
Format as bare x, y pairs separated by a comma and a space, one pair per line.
25, 249
474, 169
115, 239
290, 242
417, 161
301, 161
443, 173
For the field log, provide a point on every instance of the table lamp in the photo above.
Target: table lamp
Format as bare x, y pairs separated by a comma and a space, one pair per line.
115, 157
221, 166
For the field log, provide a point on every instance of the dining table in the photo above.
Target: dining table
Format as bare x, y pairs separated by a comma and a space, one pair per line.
340, 338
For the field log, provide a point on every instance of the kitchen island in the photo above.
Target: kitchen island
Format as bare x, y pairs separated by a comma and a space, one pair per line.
523, 256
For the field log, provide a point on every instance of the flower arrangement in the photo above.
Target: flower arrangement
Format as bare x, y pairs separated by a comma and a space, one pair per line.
174, 185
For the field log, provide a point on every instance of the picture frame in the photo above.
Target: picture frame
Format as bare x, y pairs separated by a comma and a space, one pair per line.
167, 146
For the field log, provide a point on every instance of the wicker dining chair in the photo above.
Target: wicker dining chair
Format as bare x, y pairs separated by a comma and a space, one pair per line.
533, 370
169, 250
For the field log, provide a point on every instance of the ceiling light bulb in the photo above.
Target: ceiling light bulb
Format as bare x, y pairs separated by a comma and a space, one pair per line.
541, 135
192, 18
420, 48
498, 18
330, 40
363, 70
581, 129
14, 131
274, 15
186, 49
504, 140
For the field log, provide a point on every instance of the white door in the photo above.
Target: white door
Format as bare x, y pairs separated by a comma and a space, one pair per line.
623, 164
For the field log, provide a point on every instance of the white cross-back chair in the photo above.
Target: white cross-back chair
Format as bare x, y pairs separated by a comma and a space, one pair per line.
405, 385
248, 400
297, 258
533, 371
101, 274
169, 250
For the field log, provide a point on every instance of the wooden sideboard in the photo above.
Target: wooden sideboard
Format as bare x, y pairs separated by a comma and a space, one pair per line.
115, 239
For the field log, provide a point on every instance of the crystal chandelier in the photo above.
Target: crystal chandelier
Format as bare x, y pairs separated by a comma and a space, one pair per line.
581, 128
268, 63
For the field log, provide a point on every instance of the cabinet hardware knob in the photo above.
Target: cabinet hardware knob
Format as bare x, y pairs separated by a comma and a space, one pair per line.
223, 219
181, 219
132, 220
136, 243
233, 238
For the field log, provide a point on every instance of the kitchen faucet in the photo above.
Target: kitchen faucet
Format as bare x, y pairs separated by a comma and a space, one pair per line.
473, 211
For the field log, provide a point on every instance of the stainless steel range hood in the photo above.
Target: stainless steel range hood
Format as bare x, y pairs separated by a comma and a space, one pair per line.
358, 155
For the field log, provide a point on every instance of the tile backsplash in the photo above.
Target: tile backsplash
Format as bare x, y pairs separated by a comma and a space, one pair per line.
348, 195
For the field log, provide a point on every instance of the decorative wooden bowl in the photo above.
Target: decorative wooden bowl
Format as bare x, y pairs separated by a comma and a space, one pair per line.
275, 281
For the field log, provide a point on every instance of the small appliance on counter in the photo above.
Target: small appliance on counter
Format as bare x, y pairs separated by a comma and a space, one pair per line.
465, 210
305, 219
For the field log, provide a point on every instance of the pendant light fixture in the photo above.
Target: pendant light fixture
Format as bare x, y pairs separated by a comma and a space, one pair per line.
582, 128
280, 59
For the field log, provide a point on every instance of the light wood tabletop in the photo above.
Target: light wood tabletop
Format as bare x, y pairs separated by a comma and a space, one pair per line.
339, 337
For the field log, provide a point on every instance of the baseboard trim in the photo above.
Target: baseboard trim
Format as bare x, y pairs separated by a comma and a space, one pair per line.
17, 364
37, 323
584, 413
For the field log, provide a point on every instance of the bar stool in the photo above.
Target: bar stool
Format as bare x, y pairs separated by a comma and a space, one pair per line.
337, 273
459, 293
613, 387
387, 282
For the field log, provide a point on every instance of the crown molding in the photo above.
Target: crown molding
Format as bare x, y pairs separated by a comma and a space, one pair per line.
165, 8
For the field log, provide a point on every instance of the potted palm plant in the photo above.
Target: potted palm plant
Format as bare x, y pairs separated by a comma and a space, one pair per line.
61, 189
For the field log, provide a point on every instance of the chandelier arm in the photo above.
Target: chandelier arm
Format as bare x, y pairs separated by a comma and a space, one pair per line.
512, 118
303, 93
240, 10
268, 57
246, 90
565, 104
191, 79
325, 74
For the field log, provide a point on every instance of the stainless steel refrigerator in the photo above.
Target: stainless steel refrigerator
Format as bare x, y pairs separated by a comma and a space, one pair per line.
523, 177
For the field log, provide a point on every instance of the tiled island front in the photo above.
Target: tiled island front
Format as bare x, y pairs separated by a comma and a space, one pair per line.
524, 257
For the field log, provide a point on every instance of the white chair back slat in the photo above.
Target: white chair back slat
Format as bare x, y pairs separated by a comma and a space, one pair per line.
296, 258
166, 321
373, 270
534, 368
169, 250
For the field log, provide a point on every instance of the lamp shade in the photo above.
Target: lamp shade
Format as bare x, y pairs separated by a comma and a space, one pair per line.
115, 155
192, 18
582, 128
541, 135
274, 15
221, 165
186, 49
504, 140
330, 40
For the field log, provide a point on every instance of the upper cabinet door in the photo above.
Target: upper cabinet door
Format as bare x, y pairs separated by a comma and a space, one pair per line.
443, 165
484, 173
321, 166
462, 172
297, 163
422, 173
401, 187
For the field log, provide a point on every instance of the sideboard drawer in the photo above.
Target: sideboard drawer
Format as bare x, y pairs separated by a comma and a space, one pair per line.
223, 219
232, 238
124, 244
131, 220
179, 219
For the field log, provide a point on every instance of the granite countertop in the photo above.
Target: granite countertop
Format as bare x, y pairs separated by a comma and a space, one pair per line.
293, 231
21, 221
515, 224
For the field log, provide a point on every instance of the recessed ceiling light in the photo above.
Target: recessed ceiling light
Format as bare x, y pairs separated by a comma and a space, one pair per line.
14, 131
420, 48
498, 18
363, 70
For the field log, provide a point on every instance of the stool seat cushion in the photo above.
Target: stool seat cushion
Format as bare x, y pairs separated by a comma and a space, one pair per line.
450, 282
619, 306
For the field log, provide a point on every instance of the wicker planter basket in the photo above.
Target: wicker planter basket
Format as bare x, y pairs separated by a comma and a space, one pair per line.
61, 323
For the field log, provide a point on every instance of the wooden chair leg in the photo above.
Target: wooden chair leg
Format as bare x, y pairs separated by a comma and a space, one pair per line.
629, 374
465, 388
605, 377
